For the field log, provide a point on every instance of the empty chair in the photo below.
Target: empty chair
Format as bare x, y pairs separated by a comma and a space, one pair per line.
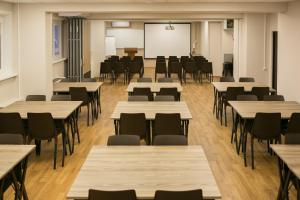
144, 80
123, 140
133, 68
36, 98
179, 195
138, 98
273, 98
112, 195
189, 67
260, 92
143, 92
106, 70
41, 126
167, 124
247, 97
207, 70
160, 58
140, 60
61, 97
266, 126
170, 92
165, 80
160, 68
11, 123
227, 79
170, 140
114, 58
173, 58
134, 124
246, 79
119, 69
294, 124
174, 67
164, 98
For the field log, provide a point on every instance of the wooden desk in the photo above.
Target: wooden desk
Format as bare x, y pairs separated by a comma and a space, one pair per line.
10, 157
145, 169
155, 87
288, 163
64, 86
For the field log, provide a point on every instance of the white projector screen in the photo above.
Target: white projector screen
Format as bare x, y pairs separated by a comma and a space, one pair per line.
162, 42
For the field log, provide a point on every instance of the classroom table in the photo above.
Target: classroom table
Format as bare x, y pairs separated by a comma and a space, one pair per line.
10, 157
151, 108
60, 111
145, 169
288, 165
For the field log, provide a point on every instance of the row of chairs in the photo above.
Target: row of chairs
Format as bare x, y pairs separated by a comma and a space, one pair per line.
146, 92
163, 124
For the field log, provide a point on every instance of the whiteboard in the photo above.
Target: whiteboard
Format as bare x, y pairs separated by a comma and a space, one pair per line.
162, 42
126, 38
110, 46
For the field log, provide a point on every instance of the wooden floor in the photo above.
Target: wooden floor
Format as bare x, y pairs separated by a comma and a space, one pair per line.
235, 181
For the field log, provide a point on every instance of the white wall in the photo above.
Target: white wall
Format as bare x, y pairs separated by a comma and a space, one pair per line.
288, 52
204, 39
97, 46
215, 47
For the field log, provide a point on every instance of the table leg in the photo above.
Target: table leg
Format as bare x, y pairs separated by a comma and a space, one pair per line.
280, 168
22, 184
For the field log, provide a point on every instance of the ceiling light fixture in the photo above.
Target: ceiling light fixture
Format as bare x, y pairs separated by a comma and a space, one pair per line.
170, 27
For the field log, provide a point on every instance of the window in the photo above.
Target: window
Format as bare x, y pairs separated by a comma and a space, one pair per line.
57, 37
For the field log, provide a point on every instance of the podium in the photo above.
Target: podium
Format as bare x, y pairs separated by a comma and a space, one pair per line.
131, 52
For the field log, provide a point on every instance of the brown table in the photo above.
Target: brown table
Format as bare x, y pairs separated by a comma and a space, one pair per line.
145, 169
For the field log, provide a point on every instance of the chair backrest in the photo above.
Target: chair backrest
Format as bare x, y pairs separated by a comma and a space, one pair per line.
133, 124
233, 92
246, 97
134, 67
115, 58
292, 138
179, 195
170, 140
144, 80
167, 124
161, 67
79, 94
207, 67
227, 79
294, 123
164, 98
11, 123
123, 140
138, 98
112, 195
36, 98
88, 80
11, 139
174, 67
41, 126
169, 92
260, 92
61, 97
143, 92
267, 125
165, 80
105, 67
246, 79
173, 58
273, 98
118, 67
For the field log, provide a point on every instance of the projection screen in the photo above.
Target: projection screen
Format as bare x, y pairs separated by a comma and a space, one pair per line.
162, 42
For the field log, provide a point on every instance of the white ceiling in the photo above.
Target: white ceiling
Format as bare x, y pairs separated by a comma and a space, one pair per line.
147, 1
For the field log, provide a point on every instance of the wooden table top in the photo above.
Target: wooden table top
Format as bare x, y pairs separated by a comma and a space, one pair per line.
222, 86
145, 169
64, 86
154, 86
58, 109
248, 109
289, 154
11, 155
150, 108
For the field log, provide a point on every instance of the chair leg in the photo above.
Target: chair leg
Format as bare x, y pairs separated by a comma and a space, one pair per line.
252, 151
225, 113
55, 151
88, 114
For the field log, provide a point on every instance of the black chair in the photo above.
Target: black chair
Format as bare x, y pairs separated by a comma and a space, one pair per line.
140, 61
246, 79
36, 98
260, 92
133, 68
170, 92
119, 68
179, 195
81, 94
189, 68
173, 58
161, 58
170, 140
164, 98
112, 195
294, 124
115, 58
174, 67
41, 126
273, 98
207, 70
138, 98
165, 80
160, 68
227, 79
144, 80
167, 124
143, 92
11, 123
106, 70
266, 126
123, 140
134, 124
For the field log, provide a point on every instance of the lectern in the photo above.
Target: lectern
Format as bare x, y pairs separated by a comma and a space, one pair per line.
131, 52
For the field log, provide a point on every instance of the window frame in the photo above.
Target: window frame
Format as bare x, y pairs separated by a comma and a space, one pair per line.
60, 43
